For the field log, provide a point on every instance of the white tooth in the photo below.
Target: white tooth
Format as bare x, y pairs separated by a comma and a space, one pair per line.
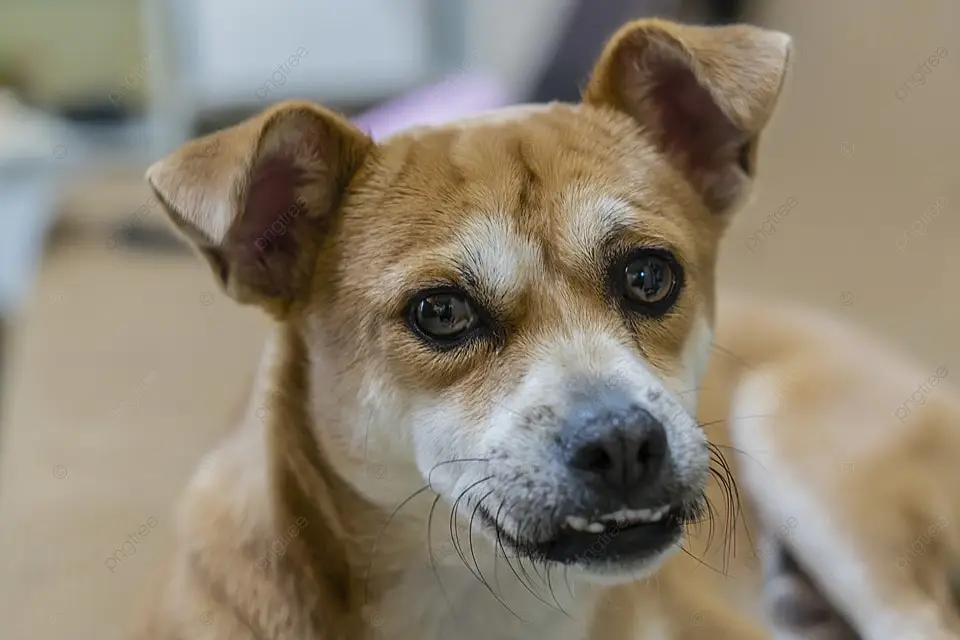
618, 516
625, 517
659, 513
576, 522
595, 527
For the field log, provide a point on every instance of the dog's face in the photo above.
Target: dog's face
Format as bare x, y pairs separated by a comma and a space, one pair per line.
517, 306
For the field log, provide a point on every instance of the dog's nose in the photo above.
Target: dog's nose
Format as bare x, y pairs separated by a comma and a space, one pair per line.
624, 458
624, 448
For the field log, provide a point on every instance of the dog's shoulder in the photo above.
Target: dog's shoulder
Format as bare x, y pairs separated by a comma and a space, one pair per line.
226, 503
219, 583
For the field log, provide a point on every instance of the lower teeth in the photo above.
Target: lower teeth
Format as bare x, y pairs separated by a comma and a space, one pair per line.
620, 519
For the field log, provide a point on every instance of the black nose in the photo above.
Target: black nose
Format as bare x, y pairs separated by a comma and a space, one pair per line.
624, 449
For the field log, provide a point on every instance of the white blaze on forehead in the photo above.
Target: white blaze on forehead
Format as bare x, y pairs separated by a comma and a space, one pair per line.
502, 260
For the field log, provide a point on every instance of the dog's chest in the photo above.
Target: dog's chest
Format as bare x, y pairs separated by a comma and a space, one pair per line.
452, 603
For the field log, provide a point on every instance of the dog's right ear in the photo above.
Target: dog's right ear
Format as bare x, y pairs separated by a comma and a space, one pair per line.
256, 199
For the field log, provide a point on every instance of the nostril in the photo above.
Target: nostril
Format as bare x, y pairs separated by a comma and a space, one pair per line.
594, 458
651, 452
645, 452
624, 451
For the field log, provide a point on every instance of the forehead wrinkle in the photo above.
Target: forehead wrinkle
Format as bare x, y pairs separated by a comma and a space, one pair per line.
498, 165
529, 179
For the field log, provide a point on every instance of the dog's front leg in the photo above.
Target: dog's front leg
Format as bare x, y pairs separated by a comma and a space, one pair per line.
796, 608
838, 575
854, 526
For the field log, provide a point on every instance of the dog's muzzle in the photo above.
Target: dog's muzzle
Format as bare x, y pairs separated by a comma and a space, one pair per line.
621, 497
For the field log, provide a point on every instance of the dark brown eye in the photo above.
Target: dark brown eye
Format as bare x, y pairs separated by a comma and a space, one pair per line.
650, 282
444, 316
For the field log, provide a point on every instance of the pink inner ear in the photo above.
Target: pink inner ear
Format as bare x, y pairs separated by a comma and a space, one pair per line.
263, 245
691, 122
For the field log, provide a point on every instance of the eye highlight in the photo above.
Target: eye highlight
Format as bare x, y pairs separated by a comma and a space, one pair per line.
647, 281
445, 316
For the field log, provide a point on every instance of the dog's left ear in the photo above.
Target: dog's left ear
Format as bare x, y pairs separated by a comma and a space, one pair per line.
257, 199
703, 93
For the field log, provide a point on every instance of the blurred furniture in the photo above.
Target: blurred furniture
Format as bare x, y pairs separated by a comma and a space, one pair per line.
32, 152
593, 21
587, 29
39, 155
724, 11
35, 152
207, 55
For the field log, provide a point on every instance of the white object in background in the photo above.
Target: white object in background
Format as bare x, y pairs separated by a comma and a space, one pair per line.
211, 54
31, 136
35, 151
351, 50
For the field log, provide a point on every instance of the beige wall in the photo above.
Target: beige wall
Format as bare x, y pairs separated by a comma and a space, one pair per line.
864, 166
71, 47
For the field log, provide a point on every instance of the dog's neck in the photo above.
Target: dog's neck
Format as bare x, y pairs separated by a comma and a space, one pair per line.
399, 572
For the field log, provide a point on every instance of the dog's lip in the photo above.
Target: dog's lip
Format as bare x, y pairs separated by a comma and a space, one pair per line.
630, 538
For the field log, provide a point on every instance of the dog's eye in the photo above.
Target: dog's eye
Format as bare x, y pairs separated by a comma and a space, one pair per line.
444, 316
650, 281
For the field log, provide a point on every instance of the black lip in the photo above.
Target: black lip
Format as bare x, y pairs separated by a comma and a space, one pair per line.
615, 544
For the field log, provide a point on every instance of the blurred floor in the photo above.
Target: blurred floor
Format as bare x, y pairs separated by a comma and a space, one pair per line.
127, 367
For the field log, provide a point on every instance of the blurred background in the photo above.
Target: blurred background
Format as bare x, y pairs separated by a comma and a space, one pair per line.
120, 363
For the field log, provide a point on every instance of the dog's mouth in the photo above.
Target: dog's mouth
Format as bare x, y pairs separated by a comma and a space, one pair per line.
627, 535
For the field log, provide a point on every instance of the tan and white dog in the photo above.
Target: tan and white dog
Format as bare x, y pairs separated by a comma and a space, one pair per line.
476, 417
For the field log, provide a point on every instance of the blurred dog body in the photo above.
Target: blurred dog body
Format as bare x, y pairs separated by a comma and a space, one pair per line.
852, 505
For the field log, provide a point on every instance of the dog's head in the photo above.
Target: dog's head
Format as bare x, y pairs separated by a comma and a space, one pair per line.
515, 309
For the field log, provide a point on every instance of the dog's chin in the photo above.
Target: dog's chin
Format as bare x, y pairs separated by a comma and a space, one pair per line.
622, 571
616, 547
